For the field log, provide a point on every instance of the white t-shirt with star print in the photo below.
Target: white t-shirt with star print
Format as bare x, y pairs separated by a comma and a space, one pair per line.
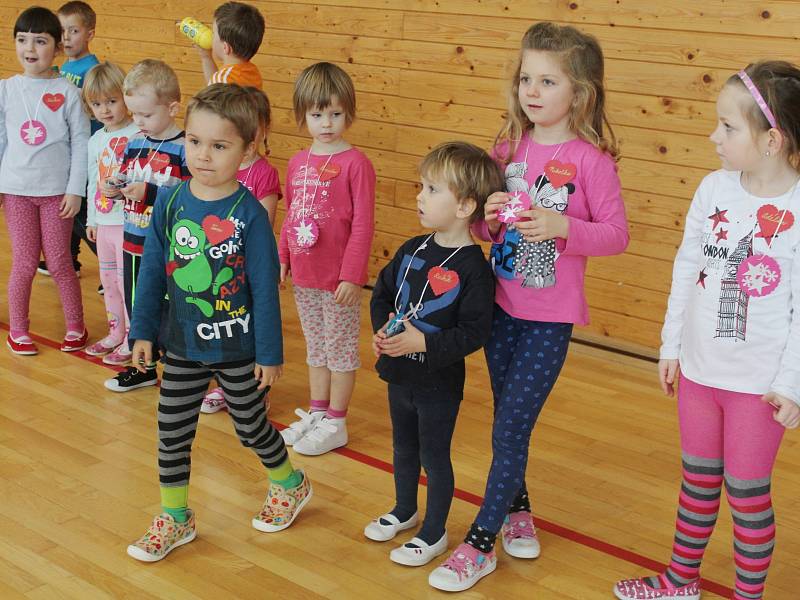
735, 288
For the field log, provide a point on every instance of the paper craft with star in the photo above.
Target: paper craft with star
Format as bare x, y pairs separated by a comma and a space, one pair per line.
517, 203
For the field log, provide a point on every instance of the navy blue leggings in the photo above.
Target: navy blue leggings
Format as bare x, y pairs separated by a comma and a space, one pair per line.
524, 359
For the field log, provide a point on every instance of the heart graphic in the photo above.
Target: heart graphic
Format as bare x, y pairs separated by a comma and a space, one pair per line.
559, 173
158, 161
772, 221
53, 101
442, 280
171, 266
217, 230
329, 172
118, 144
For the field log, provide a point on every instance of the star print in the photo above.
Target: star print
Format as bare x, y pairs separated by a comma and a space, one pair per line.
32, 133
722, 234
304, 233
701, 280
514, 201
508, 214
718, 217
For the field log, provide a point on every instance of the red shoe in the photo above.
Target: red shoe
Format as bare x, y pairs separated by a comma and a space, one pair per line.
23, 346
73, 344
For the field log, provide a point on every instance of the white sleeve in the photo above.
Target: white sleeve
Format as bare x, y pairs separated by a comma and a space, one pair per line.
3, 139
684, 274
79, 127
787, 381
94, 147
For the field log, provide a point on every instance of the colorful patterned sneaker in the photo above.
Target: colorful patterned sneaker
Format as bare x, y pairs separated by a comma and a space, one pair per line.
101, 348
297, 430
120, 357
638, 589
131, 379
465, 567
282, 506
519, 536
327, 435
164, 535
213, 402
22, 345
73, 341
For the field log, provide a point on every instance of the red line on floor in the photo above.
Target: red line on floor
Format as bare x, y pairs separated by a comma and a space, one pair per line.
544, 525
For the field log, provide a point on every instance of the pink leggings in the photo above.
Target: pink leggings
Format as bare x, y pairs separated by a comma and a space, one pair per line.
34, 225
109, 258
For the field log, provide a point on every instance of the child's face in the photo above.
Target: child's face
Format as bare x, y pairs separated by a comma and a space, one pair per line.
327, 125
545, 91
35, 52
75, 35
214, 148
437, 206
733, 137
151, 115
110, 110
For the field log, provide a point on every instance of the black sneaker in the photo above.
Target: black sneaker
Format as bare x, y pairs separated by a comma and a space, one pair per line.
130, 379
43, 268
100, 290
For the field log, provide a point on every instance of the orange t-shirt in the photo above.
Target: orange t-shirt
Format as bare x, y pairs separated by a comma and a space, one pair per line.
244, 74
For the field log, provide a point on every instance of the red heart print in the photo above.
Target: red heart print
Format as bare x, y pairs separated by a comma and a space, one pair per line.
158, 161
442, 280
217, 230
171, 266
118, 144
559, 173
53, 101
772, 220
330, 172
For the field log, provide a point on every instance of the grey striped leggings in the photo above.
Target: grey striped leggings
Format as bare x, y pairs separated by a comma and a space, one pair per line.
183, 386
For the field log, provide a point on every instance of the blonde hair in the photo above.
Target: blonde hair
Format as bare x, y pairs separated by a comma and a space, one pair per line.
231, 102
318, 85
102, 81
157, 74
469, 171
582, 61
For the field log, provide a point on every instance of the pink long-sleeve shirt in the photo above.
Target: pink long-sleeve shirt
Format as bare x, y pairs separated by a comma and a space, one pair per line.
544, 281
341, 200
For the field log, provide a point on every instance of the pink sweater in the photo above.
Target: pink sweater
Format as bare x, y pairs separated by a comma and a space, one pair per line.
544, 281
343, 208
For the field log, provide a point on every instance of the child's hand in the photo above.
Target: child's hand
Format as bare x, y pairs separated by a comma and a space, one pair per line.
379, 336
787, 413
142, 355
544, 225
91, 233
109, 191
284, 272
2, 198
668, 371
409, 341
347, 294
493, 205
70, 205
134, 192
267, 375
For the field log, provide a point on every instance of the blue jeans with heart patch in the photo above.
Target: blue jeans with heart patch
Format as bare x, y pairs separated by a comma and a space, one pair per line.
524, 360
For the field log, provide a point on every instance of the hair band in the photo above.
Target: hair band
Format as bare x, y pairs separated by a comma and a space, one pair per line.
751, 87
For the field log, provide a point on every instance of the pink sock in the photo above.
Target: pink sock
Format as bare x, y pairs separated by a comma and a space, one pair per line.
319, 405
332, 413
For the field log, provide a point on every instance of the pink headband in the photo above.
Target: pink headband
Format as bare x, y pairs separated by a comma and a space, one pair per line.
751, 87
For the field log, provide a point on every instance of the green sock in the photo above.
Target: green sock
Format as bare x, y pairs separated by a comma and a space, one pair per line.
285, 475
175, 502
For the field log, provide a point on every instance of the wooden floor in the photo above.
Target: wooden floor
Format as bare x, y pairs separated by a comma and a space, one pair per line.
78, 482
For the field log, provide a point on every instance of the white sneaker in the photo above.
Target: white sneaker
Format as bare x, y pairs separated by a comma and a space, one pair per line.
295, 431
378, 532
465, 567
421, 555
327, 435
519, 536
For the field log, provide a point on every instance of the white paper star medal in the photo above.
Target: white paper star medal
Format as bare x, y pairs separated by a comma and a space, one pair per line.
518, 202
306, 232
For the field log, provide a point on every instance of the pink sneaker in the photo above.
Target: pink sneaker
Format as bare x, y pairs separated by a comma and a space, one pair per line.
101, 348
214, 401
120, 357
465, 567
519, 536
637, 589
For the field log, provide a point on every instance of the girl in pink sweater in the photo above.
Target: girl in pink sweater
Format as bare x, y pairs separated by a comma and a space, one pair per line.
325, 243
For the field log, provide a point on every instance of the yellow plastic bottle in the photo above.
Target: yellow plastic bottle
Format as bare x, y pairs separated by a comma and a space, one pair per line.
197, 32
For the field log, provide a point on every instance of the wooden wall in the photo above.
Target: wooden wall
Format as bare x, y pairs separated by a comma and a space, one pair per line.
436, 70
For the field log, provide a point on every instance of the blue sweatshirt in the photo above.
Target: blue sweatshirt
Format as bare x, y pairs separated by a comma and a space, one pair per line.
218, 263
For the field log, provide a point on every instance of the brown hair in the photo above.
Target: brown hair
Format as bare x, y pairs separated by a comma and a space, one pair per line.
778, 82
264, 112
102, 81
157, 74
468, 170
582, 61
82, 9
231, 102
241, 26
318, 85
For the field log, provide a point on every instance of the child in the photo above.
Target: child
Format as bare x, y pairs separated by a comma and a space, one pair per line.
325, 243
211, 249
731, 332
261, 178
153, 159
102, 95
43, 141
442, 288
558, 161
238, 31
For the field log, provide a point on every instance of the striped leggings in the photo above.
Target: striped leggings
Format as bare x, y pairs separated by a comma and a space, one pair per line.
727, 438
183, 386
